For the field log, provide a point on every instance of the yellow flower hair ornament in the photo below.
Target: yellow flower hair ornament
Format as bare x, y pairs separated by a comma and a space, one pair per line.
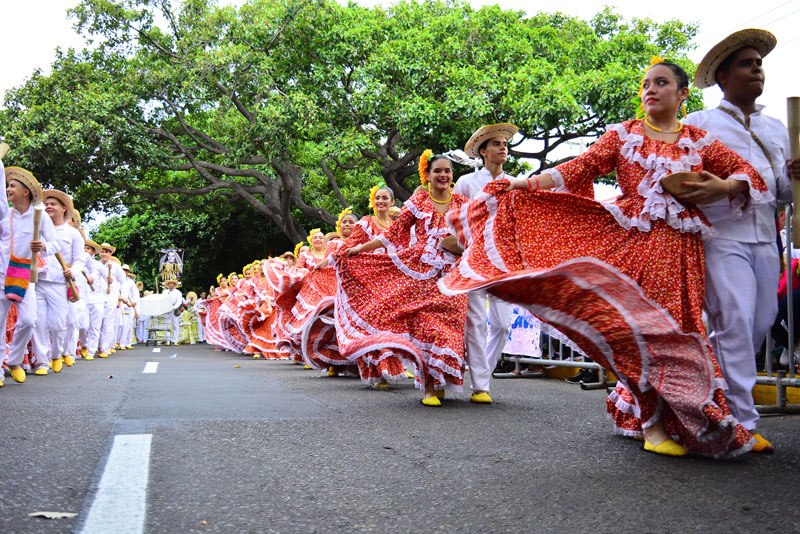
423, 165
345, 212
297, 248
311, 234
372, 193
220, 276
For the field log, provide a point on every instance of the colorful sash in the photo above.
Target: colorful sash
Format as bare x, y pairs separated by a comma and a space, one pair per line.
18, 276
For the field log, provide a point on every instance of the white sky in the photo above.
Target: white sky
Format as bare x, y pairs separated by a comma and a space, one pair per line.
32, 29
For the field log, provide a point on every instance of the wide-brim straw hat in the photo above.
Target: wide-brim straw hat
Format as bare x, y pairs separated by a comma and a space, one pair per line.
76, 217
171, 281
26, 178
126, 267
191, 296
140, 285
95, 246
762, 40
106, 246
62, 197
484, 133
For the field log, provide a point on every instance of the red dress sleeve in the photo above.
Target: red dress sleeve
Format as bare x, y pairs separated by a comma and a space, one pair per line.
577, 175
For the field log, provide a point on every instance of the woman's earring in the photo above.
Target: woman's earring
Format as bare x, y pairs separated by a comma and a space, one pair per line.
683, 110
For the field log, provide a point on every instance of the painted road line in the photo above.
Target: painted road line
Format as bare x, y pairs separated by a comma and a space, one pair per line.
150, 367
119, 505
157, 349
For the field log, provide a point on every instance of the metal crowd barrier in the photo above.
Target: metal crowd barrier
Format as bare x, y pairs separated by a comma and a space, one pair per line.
780, 378
548, 361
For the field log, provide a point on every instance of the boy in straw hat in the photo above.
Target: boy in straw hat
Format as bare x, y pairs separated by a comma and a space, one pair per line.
95, 296
129, 297
53, 310
112, 279
176, 298
17, 249
742, 260
490, 143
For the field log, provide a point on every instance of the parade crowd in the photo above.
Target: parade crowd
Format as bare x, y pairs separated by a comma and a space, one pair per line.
425, 291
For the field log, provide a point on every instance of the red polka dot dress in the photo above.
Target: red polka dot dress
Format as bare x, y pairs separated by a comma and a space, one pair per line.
258, 318
231, 313
388, 309
623, 280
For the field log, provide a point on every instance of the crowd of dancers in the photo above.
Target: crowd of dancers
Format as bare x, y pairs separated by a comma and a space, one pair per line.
423, 292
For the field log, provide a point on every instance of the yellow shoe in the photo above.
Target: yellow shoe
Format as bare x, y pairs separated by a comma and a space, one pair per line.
762, 445
381, 386
256, 356
332, 371
102, 355
306, 366
88, 357
111, 351
668, 447
57, 364
18, 374
431, 401
1, 383
41, 371
69, 361
409, 374
84, 353
480, 397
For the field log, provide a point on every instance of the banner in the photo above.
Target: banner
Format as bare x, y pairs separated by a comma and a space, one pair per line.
170, 265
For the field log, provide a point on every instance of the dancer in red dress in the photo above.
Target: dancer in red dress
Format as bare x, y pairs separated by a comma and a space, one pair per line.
388, 308
318, 336
624, 280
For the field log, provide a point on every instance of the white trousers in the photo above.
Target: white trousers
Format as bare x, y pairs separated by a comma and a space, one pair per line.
741, 302
26, 321
50, 332
484, 350
94, 313
176, 327
108, 327
77, 329
126, 327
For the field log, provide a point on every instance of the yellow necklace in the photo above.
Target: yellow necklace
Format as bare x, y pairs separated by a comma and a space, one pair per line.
659, 130
441, 201
378, 220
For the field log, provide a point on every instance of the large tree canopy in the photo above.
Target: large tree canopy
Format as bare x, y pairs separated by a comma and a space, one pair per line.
297, 107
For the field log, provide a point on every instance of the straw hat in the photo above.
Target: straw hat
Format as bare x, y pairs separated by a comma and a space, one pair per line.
484, 133
126, 267
191, 296
62, 197
139, 285
106, 246
28, 180
761, 40
172, 281
76, 217
95, 246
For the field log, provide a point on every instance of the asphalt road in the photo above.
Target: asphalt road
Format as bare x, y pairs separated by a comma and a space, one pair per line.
243, 445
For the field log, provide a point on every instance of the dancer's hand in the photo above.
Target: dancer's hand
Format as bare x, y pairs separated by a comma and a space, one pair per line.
712, 189
517, 183
353, 251
794, 168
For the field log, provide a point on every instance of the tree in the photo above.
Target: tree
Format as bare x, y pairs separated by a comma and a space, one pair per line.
298, 107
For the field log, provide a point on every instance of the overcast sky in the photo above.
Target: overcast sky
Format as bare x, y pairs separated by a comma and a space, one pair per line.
33, 29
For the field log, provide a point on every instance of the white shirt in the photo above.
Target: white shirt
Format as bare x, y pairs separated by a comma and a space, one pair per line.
117, 279
175, 298
757, 224
473, 183
23, 235
94, 270
3, 195
70, 242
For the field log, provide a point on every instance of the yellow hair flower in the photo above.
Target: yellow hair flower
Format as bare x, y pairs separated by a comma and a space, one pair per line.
372, 193
423, 165
297, 248
220, 276
655, 60
345, 212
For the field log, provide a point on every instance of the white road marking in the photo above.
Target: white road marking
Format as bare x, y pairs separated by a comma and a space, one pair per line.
120, 503
150, 367
157, 349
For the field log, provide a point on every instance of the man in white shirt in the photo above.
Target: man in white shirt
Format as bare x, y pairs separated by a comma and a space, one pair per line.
491, 144
113, 277
16, 232
176, 299
53, 310
742, 264
130, 300
95, 297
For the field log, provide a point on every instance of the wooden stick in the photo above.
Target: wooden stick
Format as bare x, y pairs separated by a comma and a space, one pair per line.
91, 285
108, 286
37, 222
73, 290
793, 116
